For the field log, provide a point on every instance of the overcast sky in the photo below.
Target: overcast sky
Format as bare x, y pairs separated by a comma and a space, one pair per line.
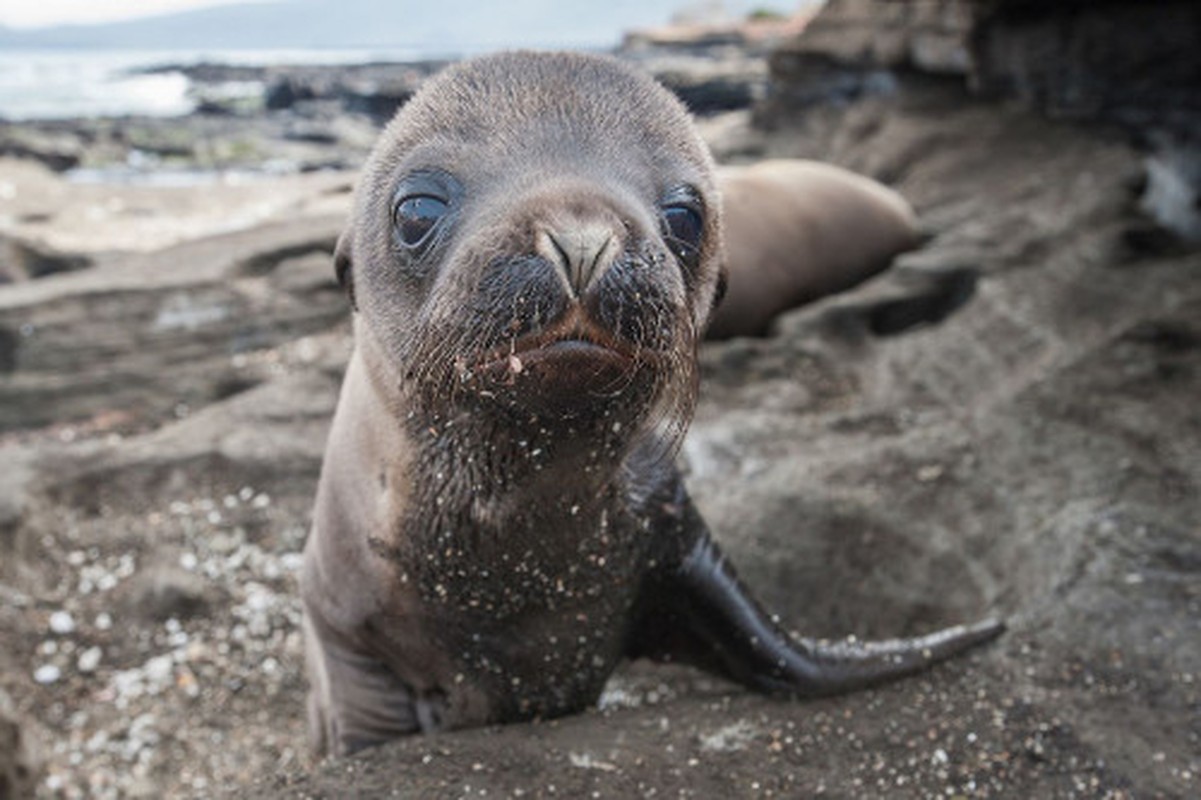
34, 13
42, 13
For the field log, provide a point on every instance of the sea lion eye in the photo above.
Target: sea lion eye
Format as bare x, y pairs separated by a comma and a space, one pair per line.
416, 216
684, 229
684, 224
424, 204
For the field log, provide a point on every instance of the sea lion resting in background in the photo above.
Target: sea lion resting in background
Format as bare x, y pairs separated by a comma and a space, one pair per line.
533, 256
798, 230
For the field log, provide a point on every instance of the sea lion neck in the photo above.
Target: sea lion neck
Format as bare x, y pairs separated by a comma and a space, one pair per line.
477, 456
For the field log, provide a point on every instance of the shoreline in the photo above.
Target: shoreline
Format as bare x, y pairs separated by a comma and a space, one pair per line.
306, 117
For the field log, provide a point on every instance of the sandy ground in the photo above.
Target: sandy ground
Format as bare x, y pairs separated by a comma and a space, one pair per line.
1004, 423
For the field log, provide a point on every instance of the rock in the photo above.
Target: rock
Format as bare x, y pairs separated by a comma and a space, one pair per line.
853, 48
15, 482
711, 95
145, 347
285, 92
23, 260
20, 763
47, 674
1117, 60
1172, 196
62, 623
379, 100
163, 592
708, 82
1120, 60
89, 660
732, 137
58, 151
926, 35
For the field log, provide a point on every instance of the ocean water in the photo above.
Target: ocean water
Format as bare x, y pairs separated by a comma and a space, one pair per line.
69, 82
60, 84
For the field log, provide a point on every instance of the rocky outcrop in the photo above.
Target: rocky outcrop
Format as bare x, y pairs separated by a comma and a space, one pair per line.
925, 35
60, 150
1134, 64
166, 332
23, 260
1117, 62
1137, 63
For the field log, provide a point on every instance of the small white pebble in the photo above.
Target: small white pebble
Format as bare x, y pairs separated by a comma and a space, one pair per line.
104, 621
159, 669
47, 674
89, 659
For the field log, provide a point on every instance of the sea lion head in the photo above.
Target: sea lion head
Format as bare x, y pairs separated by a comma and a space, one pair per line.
537, 235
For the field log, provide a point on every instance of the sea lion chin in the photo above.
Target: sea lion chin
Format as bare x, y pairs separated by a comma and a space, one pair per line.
534, 252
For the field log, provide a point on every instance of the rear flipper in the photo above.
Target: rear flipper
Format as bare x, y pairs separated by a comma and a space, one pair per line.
700, 613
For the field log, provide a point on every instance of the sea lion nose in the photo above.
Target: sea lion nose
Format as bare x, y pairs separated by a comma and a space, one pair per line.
580, 248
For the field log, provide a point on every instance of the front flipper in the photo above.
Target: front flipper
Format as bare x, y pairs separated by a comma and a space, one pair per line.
355, 700
698, 612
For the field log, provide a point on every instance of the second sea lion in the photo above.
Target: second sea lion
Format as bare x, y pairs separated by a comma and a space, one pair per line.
798, 230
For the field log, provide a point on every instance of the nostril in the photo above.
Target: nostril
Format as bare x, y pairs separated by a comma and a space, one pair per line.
581, 250
564, 257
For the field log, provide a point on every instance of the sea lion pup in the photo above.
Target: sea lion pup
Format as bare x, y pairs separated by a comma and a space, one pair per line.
532, 257
798, 230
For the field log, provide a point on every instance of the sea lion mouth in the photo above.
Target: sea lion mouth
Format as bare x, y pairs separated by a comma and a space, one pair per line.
575, 345
565, 350
572, 363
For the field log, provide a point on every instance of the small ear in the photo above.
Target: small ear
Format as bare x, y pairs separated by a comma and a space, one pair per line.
342, 267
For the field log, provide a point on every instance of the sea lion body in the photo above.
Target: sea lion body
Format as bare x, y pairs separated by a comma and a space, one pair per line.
797, 230
534, 252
